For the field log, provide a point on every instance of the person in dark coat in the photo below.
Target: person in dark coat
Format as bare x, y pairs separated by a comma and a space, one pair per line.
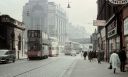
85, 54
122, 56
99, 57
90, 56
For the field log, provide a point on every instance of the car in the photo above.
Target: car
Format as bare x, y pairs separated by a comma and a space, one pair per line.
73, 53
7, 56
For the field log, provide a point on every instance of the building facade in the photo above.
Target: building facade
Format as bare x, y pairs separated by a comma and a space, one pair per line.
125, 27
57, 22
11, 35
109, 37
46, 16
35, 17
94, 40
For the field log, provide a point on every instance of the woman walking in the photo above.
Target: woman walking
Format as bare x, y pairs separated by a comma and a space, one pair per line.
114, 60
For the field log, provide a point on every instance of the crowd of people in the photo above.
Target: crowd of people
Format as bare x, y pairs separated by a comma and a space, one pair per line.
93, 54
117, 58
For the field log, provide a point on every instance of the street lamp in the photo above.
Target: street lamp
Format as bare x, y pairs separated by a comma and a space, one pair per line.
68, 5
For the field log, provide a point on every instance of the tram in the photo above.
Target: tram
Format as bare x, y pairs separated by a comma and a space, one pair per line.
53, 47
37, 45
72, 46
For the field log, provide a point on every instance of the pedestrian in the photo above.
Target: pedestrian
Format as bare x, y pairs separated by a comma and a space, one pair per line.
84, 55
115, 61
122, 56
99, 57
90, 56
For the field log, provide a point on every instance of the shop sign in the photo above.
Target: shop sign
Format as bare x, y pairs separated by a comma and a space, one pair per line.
118, 2
99, 22
103, 32
112, 32
112, 29
126, 26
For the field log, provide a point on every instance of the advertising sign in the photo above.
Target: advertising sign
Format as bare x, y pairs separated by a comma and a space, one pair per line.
99, 22
126, 26
103, 32
118, 2
112, 29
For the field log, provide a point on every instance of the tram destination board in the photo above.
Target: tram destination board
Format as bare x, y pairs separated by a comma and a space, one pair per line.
34, 35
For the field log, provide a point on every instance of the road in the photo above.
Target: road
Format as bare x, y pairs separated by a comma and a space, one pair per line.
51, 67
62, 66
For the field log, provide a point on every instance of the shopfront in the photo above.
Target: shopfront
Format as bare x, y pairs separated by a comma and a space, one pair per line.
125, 18
113, 39
126, 31
126, 34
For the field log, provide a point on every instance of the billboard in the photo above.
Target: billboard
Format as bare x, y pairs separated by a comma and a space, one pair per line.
118, 2
99, 22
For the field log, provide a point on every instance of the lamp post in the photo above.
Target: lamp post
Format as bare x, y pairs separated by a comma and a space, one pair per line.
68, 5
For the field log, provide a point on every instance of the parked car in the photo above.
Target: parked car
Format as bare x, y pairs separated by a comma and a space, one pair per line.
7, 56
73, 53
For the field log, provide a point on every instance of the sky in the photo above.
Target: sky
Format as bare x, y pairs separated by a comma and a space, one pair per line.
81, 13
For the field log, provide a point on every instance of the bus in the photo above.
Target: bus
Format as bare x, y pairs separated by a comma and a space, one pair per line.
37, 45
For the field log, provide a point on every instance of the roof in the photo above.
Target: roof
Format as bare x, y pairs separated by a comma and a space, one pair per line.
8, 19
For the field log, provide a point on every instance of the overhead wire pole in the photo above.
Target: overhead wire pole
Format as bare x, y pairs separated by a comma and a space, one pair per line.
68, 7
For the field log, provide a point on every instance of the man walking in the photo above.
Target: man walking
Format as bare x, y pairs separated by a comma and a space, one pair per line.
85, 54
99, 57
122, 56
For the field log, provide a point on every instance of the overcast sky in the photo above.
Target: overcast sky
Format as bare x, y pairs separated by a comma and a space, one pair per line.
82, 12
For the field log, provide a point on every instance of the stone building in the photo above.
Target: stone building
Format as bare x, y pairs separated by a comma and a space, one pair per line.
57, 22
11, 32
35, 17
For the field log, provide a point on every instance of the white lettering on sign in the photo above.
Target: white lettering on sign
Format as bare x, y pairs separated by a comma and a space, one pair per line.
118, 1
99, 22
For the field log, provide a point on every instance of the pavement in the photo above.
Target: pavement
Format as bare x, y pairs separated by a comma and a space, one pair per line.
85, 68
22, 57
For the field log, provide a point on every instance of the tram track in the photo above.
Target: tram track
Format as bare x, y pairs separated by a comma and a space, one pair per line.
33, 69
14, 64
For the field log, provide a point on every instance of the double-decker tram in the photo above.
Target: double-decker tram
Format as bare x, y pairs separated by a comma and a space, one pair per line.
53, 47
37, 45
